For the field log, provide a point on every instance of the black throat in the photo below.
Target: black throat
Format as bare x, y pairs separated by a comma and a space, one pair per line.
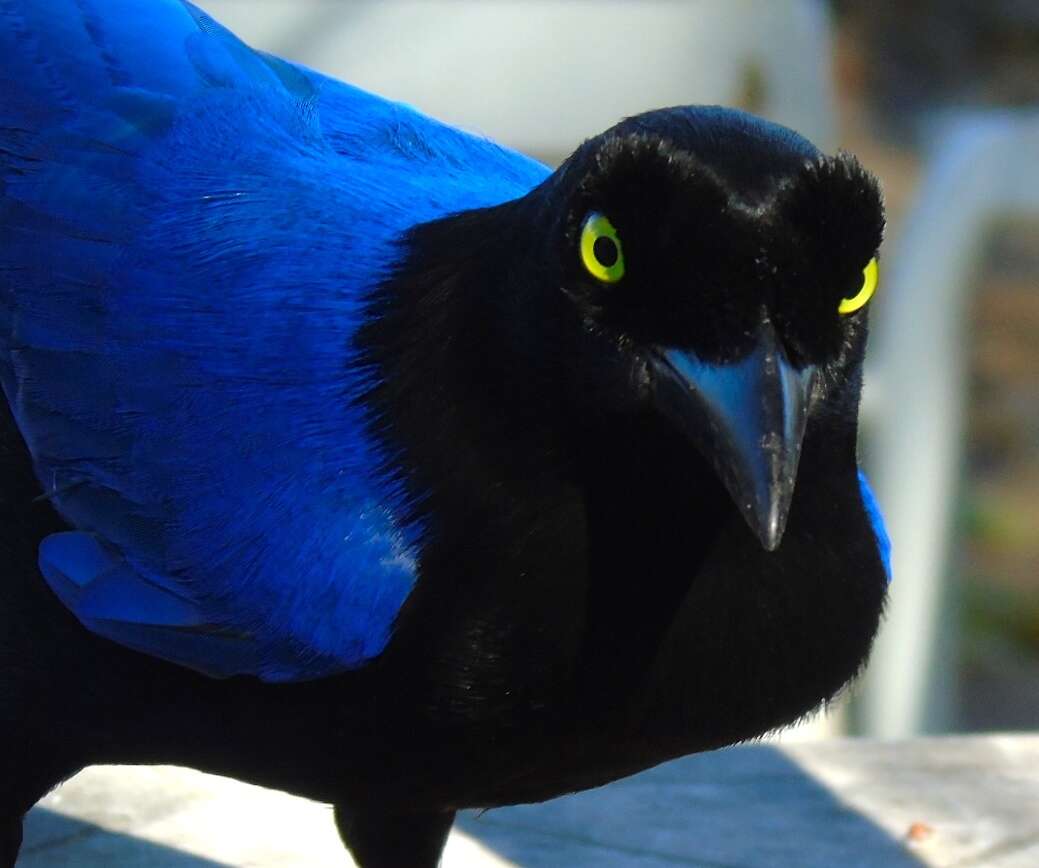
553, 522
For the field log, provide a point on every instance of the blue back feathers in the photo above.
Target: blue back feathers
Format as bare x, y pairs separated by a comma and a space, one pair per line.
188, 230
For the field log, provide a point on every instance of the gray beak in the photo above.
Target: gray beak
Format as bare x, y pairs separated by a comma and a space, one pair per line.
748, 419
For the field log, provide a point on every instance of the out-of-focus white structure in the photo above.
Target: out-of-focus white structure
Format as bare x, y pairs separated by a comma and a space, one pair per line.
985, 168
543, 75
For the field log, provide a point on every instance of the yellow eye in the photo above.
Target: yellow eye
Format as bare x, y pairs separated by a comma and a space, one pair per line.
601, 250
870, 275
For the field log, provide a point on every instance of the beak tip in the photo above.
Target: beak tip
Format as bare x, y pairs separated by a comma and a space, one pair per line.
749, 418
770, 530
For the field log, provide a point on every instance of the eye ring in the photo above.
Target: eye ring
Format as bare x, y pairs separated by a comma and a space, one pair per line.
870, 278
601, 250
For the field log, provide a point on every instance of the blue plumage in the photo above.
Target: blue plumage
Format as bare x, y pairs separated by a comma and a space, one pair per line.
876, 520
190, 230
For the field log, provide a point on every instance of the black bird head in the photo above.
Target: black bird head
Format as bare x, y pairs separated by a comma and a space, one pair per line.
724, 264
695, 264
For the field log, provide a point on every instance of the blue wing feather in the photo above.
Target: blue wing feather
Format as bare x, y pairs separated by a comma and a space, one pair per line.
189, 232
104, 587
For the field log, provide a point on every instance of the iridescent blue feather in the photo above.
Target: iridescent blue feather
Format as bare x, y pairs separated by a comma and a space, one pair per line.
188, 231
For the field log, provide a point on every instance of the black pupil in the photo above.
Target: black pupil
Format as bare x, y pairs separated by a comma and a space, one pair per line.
605, 250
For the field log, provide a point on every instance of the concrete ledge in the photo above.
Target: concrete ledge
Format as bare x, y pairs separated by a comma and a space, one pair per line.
970, 802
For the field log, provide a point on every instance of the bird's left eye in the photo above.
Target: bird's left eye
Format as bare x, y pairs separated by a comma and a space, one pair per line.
601, 250
870, 275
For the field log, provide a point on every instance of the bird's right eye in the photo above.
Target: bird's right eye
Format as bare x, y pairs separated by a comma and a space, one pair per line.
601, 250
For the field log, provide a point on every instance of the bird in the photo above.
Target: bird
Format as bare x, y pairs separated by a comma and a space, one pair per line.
354, 455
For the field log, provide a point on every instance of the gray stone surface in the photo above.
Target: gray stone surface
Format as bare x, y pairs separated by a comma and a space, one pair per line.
972, 802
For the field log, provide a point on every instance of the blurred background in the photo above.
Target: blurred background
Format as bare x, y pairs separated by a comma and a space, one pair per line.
941, 99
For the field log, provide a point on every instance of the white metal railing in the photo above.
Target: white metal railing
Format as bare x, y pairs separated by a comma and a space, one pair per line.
542, 75
984, 168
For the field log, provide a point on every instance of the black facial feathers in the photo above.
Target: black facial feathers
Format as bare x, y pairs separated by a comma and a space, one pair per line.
832, 216
724, 218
